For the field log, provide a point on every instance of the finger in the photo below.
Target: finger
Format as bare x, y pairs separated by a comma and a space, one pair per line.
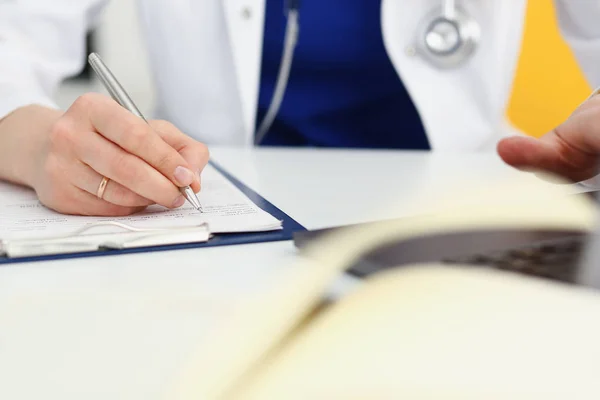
535, 155
571, 150
89, 180
194, 152
134, 135
90, 205
111, 161
525, 152
93, 206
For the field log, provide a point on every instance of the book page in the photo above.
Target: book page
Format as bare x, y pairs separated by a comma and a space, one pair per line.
225, 209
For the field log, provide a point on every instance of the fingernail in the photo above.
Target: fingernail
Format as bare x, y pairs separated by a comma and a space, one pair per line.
198, 175
184, 176
178, 202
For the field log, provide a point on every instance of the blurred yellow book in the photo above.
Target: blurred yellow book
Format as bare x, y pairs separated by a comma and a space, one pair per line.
421, 331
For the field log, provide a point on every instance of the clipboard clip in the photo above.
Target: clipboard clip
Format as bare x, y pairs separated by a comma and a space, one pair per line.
81, 240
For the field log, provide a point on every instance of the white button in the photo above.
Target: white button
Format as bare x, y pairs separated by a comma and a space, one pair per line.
410, 51
246, 13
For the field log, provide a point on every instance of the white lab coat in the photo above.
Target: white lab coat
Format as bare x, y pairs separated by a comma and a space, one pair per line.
205, 55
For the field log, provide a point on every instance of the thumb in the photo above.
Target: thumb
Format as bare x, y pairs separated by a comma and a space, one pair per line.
534, 155
526, 153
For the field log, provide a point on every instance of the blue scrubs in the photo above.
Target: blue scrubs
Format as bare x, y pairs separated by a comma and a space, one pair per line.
343, 90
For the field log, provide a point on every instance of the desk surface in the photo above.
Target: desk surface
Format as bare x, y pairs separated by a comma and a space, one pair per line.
319, 188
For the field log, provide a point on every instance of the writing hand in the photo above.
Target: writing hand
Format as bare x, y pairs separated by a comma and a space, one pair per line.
96, 138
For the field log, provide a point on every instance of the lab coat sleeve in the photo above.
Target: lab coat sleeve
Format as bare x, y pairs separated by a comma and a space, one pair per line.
42, 42
580, 27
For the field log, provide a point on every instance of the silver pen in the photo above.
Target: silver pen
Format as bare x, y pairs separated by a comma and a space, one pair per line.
120, 96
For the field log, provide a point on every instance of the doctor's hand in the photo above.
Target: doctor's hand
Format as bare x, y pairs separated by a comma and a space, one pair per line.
96, 138
571, 150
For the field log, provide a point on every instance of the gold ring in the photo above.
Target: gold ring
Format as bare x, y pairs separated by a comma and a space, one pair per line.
102, 187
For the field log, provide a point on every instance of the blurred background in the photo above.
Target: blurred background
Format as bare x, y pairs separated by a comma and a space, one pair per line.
117, 50
548, 83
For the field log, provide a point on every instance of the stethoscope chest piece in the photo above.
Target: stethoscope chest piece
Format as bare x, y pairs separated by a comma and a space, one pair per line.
447, 42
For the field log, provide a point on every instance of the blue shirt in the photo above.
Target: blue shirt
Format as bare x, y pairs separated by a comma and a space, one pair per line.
343, 90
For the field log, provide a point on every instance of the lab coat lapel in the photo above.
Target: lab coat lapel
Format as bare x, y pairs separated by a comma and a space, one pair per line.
462, 108
245, 25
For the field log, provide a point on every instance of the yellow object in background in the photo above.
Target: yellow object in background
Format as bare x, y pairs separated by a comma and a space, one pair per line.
548, 84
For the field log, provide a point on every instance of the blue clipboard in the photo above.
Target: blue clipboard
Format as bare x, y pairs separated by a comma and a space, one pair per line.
290, 226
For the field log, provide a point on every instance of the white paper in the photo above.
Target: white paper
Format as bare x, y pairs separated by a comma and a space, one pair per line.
225, 209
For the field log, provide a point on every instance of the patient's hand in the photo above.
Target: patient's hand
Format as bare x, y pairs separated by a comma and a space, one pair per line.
572, 150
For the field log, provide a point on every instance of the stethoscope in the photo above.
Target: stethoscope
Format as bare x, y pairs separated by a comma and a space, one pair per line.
447, 37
